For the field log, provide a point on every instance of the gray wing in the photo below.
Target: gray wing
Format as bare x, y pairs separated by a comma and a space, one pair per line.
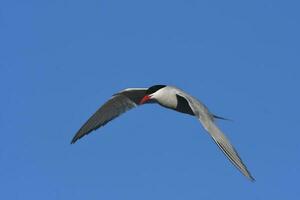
207, 120
224, 144
118, 104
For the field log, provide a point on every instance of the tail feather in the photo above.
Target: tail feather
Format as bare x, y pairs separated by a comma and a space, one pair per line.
222, 118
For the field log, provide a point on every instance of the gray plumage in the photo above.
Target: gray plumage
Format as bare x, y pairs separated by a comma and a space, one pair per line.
206, 118
171, 98
118, 104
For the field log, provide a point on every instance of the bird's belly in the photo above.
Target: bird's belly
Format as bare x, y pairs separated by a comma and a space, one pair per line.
170, 103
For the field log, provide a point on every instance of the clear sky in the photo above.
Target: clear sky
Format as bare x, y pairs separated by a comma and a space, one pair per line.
61, 59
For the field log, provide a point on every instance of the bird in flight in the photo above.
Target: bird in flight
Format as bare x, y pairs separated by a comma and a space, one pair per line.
169, 97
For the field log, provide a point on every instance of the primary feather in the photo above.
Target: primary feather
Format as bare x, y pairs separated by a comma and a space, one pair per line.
118, 104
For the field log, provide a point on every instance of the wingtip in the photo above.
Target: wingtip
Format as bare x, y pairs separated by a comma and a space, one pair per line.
251, 178
77, 136
73, 140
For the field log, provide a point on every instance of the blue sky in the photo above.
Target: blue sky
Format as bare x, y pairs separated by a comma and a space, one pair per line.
60, 60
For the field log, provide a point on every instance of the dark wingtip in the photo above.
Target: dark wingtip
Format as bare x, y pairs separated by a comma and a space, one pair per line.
74, 140
76, 137
251, 178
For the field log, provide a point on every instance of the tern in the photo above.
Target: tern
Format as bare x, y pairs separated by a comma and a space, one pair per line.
169, 97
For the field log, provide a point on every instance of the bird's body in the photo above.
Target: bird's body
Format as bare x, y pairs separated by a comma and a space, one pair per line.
176, 99
169, 97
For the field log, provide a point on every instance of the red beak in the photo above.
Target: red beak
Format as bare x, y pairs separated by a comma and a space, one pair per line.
145, 99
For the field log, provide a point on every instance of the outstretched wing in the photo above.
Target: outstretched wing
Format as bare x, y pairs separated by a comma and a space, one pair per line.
224, 144
207, 120
118, 104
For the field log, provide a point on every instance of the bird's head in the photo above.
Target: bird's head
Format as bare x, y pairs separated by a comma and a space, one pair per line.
150, 93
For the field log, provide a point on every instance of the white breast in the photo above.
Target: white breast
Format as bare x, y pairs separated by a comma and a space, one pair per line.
166, 97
